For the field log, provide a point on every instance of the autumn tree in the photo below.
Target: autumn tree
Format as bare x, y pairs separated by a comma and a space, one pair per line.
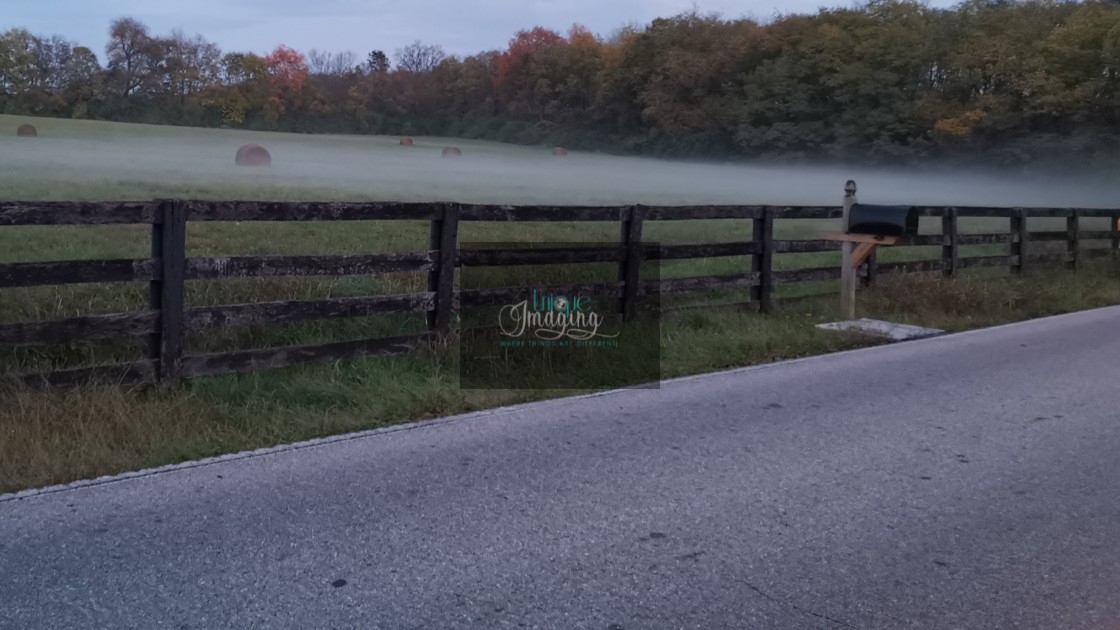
130, 51
247, 90
197, 64
521, 48
287, 71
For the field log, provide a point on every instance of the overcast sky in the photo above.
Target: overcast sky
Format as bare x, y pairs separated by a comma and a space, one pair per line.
461, 27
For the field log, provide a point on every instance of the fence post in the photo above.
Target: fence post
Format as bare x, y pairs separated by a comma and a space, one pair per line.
762, 261
1017, 251
169, 240
1073, 239
443, 238
848, 279
950, 246
630, 265
155, 287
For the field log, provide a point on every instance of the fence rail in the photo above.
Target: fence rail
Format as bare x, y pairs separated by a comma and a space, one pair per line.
168, 318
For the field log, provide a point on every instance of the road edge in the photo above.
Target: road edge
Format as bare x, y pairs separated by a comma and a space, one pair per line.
508, 409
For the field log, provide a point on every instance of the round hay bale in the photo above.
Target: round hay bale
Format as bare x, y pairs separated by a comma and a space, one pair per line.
406, 142
452, 152
253, 155
560, 152
27, 131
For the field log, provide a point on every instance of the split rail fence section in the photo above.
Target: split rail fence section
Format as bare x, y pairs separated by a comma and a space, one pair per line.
167, 318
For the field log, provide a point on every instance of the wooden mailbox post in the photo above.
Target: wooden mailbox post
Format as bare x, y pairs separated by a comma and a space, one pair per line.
858, 246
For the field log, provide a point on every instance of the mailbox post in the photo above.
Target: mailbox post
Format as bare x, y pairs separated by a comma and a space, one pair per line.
866, 227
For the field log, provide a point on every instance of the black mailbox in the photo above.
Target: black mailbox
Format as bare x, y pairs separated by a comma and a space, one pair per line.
882, 220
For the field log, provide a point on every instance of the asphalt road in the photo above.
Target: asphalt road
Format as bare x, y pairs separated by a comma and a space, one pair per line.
968, 481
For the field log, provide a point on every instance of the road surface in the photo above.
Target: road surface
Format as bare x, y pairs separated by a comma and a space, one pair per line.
966, 481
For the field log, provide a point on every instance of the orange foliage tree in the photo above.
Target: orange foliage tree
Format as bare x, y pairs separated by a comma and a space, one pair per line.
521, 46
287, 70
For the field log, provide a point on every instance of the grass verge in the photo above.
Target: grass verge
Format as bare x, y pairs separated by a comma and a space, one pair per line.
55, 437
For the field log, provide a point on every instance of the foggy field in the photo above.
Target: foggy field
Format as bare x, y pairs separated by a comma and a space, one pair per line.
88, 160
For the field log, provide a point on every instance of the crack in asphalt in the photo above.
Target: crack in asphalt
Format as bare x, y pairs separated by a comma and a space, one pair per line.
793, 606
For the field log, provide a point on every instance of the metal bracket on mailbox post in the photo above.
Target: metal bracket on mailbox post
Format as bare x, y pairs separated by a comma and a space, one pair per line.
863, 245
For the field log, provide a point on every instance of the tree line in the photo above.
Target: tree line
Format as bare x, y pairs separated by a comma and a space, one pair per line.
892, 81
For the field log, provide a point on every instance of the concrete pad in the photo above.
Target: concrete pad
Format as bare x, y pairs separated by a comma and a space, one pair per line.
879, 328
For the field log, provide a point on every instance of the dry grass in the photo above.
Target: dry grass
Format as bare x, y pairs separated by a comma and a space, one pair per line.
988, 299
56, 437
87, 432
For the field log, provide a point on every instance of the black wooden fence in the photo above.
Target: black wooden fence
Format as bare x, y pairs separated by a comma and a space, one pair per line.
168, 318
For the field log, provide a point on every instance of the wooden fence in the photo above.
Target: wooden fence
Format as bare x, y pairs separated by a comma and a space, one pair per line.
168, 318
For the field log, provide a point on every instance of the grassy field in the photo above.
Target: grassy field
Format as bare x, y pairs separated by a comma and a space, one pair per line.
60, 436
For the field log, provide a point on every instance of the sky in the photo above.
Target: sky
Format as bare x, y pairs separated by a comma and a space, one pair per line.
464, 27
